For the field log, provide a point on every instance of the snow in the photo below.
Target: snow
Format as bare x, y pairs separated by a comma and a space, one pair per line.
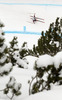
11, 82
54, 94
15, 17
31, 61
15, 46
17, 86
6, 68
25, 60
1, 31
58, 59
55, 42
22, 76
44, 61
2, 48
25, 47
31, 1
22, 38
3, 59
16, 55
22, 63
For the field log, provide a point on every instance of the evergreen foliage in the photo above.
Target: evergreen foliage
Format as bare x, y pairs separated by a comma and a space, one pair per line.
13, 50
45, 76
50, 42
1, 24
24, 50
5, 65
12, 87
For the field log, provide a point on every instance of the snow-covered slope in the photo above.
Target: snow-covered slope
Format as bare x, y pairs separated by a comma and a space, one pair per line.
30, 39
22, 76
32, 1
55, 94
31, 61
15, 16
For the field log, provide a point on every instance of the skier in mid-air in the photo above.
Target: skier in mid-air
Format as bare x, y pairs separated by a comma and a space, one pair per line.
34, 19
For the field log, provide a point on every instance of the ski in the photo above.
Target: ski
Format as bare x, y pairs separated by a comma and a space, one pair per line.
40, 18
40, 21
37, 18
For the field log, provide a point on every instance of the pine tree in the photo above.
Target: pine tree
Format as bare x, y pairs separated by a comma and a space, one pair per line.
24, 50
5, 65
50, 42
61, 34
34, 50
14, 50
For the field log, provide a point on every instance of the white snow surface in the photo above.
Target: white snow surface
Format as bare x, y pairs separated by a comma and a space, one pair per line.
58, 59
15, 46
22, 76
1, 31
32, 1
11, 82
31, 61
2, 48
22, 63
44, 61
55, 94
6, 68
15, 17
3, 59
17, 86
30, 39
16, 55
